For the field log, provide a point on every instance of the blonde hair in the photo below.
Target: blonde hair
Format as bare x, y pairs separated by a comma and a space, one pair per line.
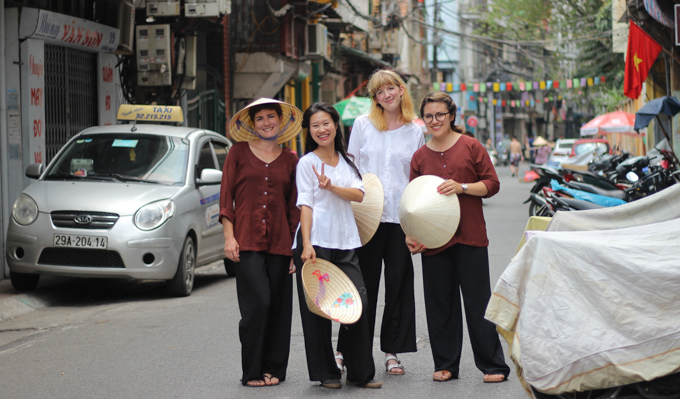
382, 78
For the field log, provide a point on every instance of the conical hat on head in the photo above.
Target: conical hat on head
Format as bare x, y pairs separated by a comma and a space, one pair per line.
368, 212
241, 128
426, 216
539, 141
329, 293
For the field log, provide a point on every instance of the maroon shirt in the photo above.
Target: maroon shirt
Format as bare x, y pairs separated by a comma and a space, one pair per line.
259, 199
467, 161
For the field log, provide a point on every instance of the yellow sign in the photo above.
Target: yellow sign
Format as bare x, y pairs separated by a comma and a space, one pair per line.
155, 113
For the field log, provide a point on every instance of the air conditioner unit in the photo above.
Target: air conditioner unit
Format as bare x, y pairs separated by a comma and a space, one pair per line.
162, 8
154, 55
119, 14
317, 42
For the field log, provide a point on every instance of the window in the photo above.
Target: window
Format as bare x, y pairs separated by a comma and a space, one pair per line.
221, 153
118, 156
205, 159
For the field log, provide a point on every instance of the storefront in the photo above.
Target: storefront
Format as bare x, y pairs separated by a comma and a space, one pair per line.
59, 79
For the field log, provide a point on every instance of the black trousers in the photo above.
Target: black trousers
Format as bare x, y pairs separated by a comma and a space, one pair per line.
398, 328
443, 273
265, 298
317, 330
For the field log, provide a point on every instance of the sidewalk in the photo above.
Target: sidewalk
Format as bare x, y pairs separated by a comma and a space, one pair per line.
15, 303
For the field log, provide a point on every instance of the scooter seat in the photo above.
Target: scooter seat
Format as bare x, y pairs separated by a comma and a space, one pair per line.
579, 205
618, 194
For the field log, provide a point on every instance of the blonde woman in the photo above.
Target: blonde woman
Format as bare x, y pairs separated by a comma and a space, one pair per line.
383, 143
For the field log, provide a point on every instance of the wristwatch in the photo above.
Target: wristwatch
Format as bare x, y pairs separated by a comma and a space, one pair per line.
464, 187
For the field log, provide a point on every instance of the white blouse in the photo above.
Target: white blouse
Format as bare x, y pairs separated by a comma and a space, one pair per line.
387, 155
333, 224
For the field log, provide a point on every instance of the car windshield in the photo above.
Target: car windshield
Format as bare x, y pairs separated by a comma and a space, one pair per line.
600, 148
123, 157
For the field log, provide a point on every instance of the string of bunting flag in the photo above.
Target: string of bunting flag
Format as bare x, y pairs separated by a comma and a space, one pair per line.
524, 87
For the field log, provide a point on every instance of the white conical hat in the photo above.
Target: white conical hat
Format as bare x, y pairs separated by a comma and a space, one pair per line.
426, 216
330, 293
368, 212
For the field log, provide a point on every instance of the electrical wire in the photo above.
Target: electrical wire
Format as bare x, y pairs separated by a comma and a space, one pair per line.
258, 27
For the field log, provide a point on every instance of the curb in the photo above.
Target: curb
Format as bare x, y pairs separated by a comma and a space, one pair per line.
15, 303
20, 305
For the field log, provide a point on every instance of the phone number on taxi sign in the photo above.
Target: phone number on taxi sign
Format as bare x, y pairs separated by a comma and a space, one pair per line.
153, 116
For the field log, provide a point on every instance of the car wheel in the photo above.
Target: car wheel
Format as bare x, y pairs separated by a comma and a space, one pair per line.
183, 282
24, 281
230, 267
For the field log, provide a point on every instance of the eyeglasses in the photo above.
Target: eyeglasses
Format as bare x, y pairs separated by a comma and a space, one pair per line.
427, 118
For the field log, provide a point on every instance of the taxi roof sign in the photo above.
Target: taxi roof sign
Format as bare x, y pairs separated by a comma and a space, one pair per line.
150, 113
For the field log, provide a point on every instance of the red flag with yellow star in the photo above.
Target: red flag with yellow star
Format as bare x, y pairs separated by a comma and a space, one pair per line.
642, 52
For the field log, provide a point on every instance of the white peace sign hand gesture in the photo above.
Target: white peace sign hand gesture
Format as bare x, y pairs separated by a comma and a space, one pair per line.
324, 181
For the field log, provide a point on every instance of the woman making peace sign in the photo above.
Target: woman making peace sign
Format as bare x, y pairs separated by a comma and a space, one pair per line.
327, 182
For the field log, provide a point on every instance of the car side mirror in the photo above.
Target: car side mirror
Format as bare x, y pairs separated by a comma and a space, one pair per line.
34, 170
209, 177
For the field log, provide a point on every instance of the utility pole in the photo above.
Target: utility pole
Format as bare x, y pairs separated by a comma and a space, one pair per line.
435, 41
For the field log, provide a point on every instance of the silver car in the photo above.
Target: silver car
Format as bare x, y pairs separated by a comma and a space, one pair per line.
138, 201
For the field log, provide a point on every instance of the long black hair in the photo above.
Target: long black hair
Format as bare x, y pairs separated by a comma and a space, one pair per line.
311, 145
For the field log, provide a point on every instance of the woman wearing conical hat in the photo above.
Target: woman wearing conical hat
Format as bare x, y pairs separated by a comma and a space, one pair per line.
462, 264
259, 218
382, 143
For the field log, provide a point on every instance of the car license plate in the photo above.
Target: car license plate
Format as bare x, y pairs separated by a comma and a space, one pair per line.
76, 241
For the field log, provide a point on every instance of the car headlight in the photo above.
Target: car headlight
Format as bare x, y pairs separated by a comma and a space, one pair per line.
152, 215
25, 210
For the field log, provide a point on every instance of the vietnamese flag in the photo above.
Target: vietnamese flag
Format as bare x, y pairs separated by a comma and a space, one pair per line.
642, 52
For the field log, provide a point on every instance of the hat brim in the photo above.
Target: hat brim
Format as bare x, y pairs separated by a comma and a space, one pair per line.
539, 142
241, 127
368, 212
426, 216
329, 293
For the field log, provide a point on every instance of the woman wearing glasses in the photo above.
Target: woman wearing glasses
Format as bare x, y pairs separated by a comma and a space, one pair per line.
461, 265
383, 143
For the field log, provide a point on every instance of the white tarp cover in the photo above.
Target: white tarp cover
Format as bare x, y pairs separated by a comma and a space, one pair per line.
662, 206
593, 309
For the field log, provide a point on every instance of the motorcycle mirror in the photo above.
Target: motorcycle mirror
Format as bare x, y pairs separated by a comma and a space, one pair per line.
632, 176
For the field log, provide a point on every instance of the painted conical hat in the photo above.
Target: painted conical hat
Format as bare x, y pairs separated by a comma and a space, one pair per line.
329, 293
426, 216
368, 212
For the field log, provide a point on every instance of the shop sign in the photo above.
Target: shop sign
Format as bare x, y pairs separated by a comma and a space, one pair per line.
68, 31
106, 82
33, 82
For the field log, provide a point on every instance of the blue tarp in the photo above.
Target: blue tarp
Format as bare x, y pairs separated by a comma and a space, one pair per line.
585, 196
